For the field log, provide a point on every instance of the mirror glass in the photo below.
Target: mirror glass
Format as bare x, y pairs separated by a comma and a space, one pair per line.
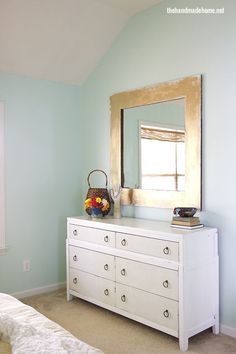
154, 146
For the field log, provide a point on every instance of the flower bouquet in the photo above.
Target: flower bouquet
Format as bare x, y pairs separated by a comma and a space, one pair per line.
96, 206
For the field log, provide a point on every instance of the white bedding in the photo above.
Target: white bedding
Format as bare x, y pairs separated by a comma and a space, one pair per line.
30, 332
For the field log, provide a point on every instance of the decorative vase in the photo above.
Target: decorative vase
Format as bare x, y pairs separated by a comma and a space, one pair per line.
116, 195
96, 213
116, 210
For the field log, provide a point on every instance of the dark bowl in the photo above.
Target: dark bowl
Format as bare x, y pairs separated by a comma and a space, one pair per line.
184, 212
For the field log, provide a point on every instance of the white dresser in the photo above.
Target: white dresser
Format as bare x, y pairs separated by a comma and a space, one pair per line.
145, 270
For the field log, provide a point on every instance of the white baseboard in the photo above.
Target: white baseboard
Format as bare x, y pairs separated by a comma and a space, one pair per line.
229, 331
37, 291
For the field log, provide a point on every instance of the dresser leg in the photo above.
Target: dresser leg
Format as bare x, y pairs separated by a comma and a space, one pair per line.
183, 344
216, 328
69, 297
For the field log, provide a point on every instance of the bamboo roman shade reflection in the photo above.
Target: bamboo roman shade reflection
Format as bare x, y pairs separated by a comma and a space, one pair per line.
162, 134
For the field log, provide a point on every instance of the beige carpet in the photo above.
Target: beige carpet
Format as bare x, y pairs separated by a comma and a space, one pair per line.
115, 334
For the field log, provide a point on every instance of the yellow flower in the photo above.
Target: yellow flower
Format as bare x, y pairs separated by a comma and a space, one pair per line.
98, 200
87, 203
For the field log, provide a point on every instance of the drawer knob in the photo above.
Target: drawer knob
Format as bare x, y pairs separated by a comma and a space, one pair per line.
166, 313
106, 267
123, 242
75, 258
106, 292
106, 238
165, 284
123, 271
75, 233
123, 298
166, 250
75, 281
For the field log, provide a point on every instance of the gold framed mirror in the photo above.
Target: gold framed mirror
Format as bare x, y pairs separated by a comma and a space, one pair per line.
184, 94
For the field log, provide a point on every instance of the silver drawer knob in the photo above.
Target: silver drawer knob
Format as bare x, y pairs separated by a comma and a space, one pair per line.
166, 250
75, 233
123, 298
123, 242
106, 267
106, 238
123, 271
75, 258
75, 280
106, 292
165, 284
166, 313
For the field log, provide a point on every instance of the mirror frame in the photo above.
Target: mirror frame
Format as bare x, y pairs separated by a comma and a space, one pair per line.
188, 88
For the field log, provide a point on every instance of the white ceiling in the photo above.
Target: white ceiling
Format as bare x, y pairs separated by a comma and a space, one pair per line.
60, 40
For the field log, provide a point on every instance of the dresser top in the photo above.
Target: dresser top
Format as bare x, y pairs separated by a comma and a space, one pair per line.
136, 225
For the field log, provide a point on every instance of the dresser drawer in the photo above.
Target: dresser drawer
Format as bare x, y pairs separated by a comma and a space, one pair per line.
152, 307
97, 263
89, 234
147, 277
92, 286
149, 246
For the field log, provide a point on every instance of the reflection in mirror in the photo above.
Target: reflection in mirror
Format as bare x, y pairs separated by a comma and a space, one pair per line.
154, 146
162, 157
144, 177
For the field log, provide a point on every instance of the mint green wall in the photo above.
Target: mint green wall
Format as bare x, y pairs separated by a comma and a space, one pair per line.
43, 159
157, 47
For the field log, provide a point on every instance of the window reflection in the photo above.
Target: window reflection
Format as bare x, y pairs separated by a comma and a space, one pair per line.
162, 164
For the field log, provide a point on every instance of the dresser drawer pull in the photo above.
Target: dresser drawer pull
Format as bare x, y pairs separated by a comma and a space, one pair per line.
75, 280
106, 238
106, 267
75, 233
166, 250
123, 242
165, 284
75, 258
123, 298
106, 292
166, 313
123, 271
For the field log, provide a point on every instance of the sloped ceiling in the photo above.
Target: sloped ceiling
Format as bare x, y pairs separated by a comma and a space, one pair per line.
60, 40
